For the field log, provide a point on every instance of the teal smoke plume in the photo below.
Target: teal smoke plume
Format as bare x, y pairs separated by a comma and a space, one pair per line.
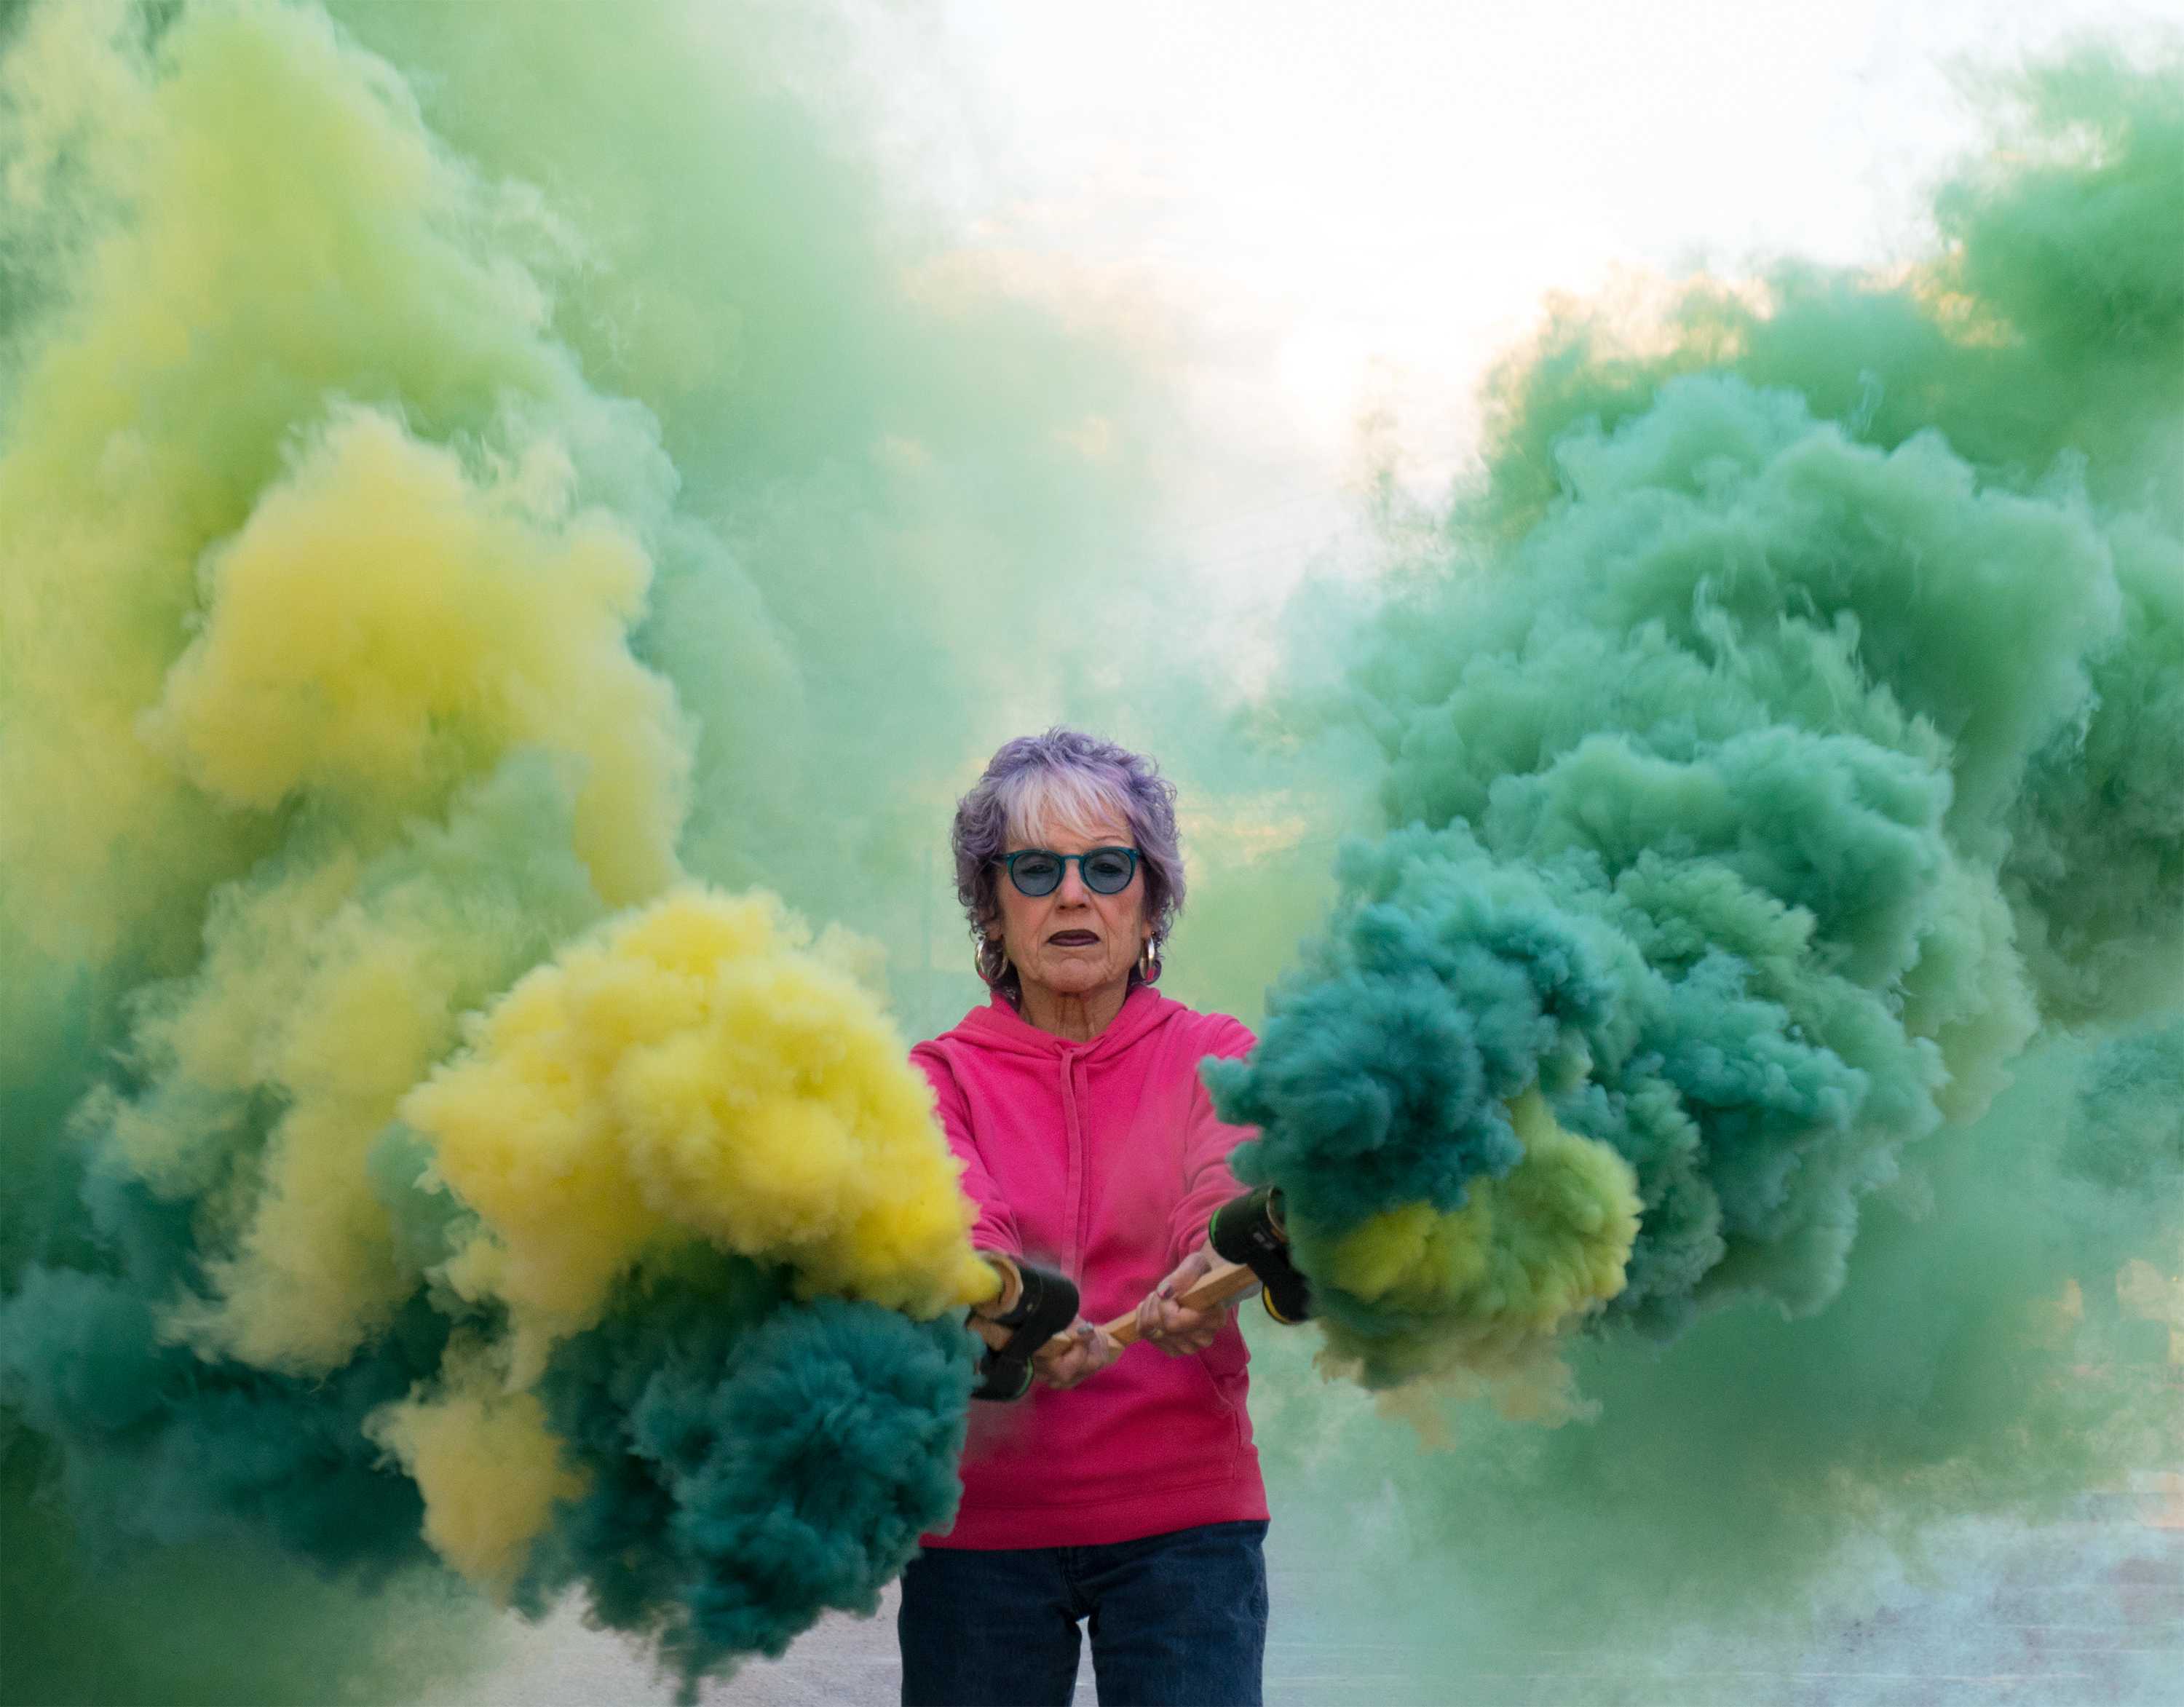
1789, 723
1783, 744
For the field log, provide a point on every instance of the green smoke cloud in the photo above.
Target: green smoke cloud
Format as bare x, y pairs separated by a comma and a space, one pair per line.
691, 1408
1782, 729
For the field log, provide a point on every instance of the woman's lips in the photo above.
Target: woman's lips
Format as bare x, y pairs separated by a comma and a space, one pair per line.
1072, 939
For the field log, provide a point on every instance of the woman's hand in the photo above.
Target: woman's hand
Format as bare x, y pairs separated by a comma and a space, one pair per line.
1088, 1351
1011, 1279
1176, 1330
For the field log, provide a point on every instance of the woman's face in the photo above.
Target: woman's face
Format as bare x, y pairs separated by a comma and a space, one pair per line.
1073, 942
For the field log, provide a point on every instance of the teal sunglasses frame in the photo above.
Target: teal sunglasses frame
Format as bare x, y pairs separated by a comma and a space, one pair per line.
1009, 861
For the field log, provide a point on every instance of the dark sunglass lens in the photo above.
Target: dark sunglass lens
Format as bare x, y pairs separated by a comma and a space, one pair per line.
1108, 873
1037, 874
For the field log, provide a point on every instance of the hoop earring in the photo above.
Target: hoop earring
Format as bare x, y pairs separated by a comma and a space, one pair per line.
1149, 963
990, 960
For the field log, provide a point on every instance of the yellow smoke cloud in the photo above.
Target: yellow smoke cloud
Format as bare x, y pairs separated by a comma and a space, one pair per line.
383, 629
489, 1468
1501, 1277
263, 228
258, 638
383, 626
342, 1010
693, 1071
321, 562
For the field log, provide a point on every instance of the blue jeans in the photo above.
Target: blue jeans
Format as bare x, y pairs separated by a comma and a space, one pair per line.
1177, 1620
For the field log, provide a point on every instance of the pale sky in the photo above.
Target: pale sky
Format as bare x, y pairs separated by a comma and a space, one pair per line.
1359, 205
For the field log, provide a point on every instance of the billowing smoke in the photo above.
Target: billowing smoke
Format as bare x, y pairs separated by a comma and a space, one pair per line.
1785, 726
413, 1157
448, 557
1761, 788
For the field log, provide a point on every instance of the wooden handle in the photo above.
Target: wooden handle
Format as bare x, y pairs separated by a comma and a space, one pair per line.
1217, 1285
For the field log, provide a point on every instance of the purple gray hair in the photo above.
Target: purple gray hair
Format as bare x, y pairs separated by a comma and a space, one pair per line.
1065, 778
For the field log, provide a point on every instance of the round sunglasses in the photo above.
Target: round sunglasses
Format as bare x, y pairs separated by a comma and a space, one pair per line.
1037, 871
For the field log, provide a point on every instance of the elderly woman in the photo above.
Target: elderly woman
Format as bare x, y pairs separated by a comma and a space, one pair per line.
1125, 1489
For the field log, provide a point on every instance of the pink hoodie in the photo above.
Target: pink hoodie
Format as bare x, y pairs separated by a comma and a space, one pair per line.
1103, 1161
